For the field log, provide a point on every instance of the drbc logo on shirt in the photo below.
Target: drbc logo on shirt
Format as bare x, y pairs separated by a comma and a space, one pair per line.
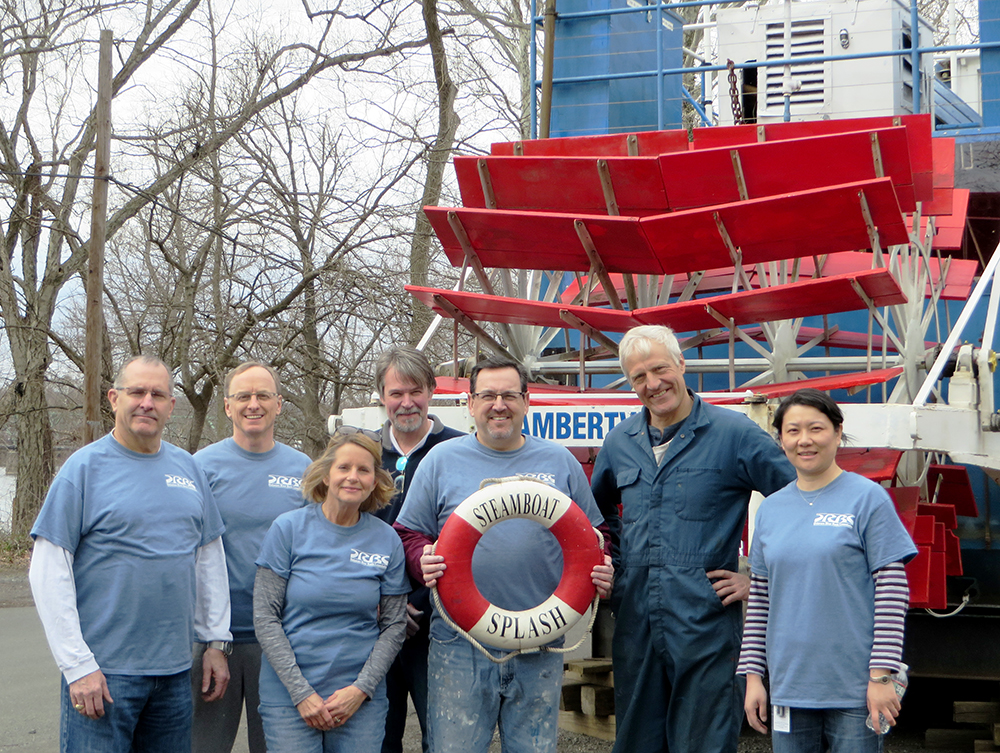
545, 478
283, 482
833, 519
371, 560
180, 482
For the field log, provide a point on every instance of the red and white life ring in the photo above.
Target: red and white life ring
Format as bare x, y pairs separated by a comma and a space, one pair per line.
533, 500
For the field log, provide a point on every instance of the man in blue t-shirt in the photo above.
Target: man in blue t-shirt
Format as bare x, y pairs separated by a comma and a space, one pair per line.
254, 479
517, 565
405, 382
127, 568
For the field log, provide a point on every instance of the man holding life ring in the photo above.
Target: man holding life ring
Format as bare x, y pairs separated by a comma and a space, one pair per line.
517, 565
683, 472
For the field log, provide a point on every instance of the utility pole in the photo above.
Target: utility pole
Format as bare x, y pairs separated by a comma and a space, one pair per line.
95, 264
548, 58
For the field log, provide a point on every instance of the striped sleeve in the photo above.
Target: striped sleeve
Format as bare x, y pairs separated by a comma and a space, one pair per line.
753, 652
892, 595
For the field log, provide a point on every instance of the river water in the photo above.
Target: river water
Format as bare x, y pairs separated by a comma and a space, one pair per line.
6, 499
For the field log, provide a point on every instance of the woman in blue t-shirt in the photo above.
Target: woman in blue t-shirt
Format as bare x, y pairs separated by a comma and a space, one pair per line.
330, 606
828, 594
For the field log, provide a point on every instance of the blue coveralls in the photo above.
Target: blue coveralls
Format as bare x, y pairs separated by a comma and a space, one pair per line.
675, 646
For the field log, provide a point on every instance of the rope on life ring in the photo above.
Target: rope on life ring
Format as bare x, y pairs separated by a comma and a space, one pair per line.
467, 611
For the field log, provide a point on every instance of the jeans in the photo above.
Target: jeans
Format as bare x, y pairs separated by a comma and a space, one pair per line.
407, 676
149, 714
286, 732
833, 730
468, 696
217, 723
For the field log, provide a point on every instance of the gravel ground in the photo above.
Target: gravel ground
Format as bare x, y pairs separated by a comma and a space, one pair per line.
750, 742
928, 703
14, 589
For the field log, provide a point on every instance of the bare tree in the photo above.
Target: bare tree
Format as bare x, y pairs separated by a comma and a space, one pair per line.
335, 207
495, 52
293, 227
437, 160
42, 171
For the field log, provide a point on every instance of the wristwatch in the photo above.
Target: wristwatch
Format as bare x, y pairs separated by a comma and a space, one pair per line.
884, 679
225, 647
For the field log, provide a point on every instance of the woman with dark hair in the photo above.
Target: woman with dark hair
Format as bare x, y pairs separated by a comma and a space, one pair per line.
828, 594
330, 606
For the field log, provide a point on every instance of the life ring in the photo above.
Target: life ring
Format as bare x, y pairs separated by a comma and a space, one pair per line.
532, 500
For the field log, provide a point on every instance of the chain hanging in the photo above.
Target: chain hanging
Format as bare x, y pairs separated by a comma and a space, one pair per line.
734, 94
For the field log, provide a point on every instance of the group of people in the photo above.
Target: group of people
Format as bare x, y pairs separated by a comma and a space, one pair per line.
305, 607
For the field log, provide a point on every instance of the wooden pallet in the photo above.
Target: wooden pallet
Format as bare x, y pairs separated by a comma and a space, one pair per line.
587, 705
985, 715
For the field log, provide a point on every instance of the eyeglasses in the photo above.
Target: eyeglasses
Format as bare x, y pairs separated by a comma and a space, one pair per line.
138, 393
511, 398
348, 430
245, 397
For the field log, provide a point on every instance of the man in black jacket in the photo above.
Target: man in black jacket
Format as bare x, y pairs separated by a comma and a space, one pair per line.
405, 382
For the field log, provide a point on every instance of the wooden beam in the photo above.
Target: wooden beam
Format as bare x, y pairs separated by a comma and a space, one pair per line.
953, 738
459, 316
596, 700
471, 257
872, 230
601, 727
730, 324
877, 156
596, 263
594, 334
604, 175
976, 712
569, 699
876, 315
487, 184
735, 255
741, 181
590, 666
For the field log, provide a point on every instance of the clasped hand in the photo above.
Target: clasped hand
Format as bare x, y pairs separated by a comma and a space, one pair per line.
334, 711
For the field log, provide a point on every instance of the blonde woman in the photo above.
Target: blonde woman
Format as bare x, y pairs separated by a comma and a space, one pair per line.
330, 606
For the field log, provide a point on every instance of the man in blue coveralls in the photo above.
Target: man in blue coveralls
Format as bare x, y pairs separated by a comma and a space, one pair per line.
683, 472
254, 479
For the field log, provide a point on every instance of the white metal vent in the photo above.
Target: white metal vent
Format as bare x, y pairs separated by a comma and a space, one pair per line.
808, 39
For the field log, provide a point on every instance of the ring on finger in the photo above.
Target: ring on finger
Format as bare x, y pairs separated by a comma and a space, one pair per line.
78, 706
336, 719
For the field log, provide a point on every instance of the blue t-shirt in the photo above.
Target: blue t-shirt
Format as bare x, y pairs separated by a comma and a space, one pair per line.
336, 576
818, 551
251, 490
134, 523
517, 563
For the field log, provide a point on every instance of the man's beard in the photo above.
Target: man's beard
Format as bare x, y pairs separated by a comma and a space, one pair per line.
407, 422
